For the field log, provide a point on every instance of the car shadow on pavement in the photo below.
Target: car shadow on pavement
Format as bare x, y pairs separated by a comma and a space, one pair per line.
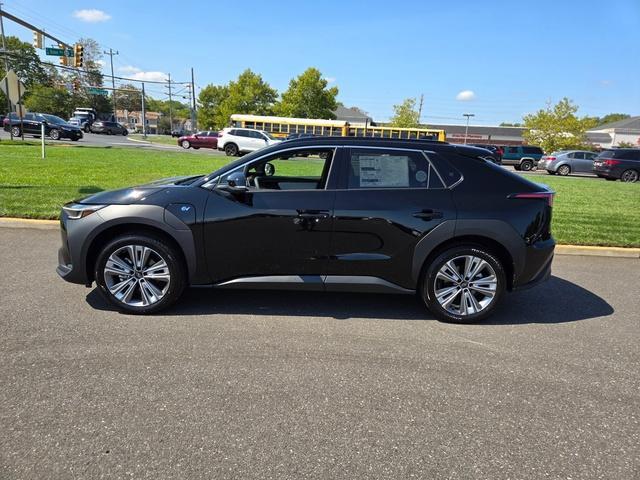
556, 301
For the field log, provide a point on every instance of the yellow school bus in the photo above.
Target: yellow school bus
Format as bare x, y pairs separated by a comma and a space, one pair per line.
284, 126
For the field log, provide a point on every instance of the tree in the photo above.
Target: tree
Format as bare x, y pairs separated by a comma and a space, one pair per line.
309, 97
129, 98
557, 127
612, 117
248, 94
24, 60
626, 145
210, 99
405, 115
54, 100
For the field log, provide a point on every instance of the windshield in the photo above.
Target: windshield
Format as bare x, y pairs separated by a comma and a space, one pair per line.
54, 119
268, 135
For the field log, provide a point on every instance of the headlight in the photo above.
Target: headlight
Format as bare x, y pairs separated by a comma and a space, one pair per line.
77, 210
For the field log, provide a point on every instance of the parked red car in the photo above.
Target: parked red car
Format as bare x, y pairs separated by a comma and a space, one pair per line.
204, 139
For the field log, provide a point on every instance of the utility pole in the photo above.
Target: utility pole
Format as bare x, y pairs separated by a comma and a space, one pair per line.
111, 53
170, 107
466, 130
193, 98
420, 109
6, 67
144, 116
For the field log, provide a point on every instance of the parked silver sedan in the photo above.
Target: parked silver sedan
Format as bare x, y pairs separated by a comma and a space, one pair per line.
564, 162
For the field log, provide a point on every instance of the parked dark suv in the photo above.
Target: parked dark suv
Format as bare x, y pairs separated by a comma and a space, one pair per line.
618, 163
54, 127
323, 214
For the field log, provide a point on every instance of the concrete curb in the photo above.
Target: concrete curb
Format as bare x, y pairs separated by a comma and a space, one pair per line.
585, 250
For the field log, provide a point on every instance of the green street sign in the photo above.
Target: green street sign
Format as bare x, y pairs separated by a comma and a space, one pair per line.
97, 91
59, 52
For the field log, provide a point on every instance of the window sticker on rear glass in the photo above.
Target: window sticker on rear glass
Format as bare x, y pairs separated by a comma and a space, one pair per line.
384, 171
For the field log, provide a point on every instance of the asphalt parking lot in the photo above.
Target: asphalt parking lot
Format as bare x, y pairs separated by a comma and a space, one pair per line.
297, 385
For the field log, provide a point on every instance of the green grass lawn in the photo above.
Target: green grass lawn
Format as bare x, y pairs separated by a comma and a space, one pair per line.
161, 139
586, 212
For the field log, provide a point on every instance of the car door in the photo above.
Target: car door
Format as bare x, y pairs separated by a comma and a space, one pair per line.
587, 166
389, 199
211, 140
279, 228
31, 124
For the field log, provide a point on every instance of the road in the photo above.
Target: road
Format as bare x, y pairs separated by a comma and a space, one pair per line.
116, 141
298, 385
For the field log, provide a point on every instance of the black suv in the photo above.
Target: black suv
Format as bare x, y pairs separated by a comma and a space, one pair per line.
54, 127
618, 163
322, 214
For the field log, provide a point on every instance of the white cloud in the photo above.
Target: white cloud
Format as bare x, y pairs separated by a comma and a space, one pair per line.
102, 63
605, 83
129, 69
91, 15
150, 76
465, 96
330, 79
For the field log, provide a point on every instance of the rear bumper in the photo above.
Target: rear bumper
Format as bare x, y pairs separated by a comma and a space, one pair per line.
537, 264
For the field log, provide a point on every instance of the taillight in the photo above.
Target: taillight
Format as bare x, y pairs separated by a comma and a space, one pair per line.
551, 159
548, 196
609, 162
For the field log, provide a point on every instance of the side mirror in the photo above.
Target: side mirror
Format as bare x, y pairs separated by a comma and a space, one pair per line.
236, 183
269, 169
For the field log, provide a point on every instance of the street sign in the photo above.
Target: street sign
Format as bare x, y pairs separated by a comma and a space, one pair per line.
15, 86
97, 91
59, 52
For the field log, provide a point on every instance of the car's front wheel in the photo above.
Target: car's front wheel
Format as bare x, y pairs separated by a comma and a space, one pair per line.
463, 284
140, 274
185, 144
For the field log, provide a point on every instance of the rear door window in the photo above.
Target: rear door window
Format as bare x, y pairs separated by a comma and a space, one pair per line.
372, 168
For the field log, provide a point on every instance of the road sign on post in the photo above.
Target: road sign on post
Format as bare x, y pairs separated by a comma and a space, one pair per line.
14, 85
97, 91
59, 52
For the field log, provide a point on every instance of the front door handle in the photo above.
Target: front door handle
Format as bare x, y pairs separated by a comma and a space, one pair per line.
428, 214
314, 214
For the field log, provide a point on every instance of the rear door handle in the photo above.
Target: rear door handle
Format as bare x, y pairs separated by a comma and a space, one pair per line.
428, 214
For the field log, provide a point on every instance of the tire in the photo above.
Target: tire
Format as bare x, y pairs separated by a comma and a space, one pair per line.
54, 133
629, 176
112, 285
517, 167
526, 165
109, 132
231, 150
87, 129
185, 144
125, 133
15, 131
433, 280
564, 170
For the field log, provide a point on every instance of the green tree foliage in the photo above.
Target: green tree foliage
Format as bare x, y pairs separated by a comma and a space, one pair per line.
612, 117
405, 115
24, 60
46, 99
129, 97
249, 94
308, 97
557, 127
626, 145
210, 99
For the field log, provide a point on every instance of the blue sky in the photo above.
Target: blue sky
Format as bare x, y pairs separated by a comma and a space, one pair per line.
513, 55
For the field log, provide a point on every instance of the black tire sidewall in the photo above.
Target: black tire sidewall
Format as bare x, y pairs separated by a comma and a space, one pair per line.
174, 262
427, 284
231, 150
54, 134
15, 131
528, 164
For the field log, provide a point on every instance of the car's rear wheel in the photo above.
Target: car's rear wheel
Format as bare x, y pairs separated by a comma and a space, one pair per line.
54, 133
526, 165
629, 176
185, 144
564, 170
140, 274
463, 284
231, 149
109, 132
15, 131
125, 133
517, 167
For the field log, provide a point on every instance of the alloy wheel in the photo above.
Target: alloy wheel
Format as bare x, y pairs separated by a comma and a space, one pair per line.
630, 176
465, 285
137, 276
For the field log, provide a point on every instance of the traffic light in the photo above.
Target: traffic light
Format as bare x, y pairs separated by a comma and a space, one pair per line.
37, 40
78, 57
